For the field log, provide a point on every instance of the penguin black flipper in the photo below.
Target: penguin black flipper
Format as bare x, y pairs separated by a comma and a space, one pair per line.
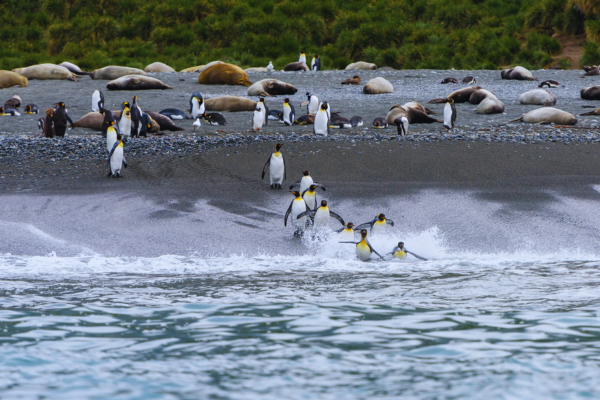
372, 249
334, 215
365, 225
453, 107
284, 169
414, 255
350, 242
265, 168
70, 120
287, 213
292, 115
112, 151
293, 185
389, 222
306, 214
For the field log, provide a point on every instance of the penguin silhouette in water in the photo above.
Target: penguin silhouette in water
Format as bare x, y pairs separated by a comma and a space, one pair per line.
400, 252
276, 165
364, 250
378, 224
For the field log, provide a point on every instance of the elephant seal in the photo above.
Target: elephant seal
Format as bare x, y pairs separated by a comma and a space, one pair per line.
594, 112
591, 71
538, 97
296, 66
192, 69
115, 72
418, 107
9, 79
158, 67
360, 65
355, 80
73, 68
548, 115
459, 96
490, 105
256, 70
136, 82
590, 93
271, 87
377, 86
229, 103
414, 116
164, 122
46, 71
224, 74
93, 120
517, 73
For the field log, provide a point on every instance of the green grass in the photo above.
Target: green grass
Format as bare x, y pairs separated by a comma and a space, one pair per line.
466, 34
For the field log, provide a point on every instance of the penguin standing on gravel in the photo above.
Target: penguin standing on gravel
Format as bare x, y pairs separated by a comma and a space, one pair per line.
276, 165
97, 100
61, 117
257, 119
321, 125
116, 158
315, 64
449, 114
265, 110
402, 124
289, 113
124, 120
197, 107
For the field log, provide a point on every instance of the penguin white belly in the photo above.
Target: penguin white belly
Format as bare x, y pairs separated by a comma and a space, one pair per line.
313, 105
264, 116
321, 122
197, 109
305, 182
448, 116
111, 138
347, 235
310, 200
378, 228
277, 169
95, 100
322, 218
298, 207
257, 120
363, 252
116, 161
125, 126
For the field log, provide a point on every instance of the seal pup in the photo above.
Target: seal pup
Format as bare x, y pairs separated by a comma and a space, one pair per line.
271, 87
113, 72
548, 115
517, 73
9, 79
355, 80
378, 85
538, 97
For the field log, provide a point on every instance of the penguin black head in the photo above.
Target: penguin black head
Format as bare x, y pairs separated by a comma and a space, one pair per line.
363, 233
27, 108
305, 172
400, 245
119, 136
316, 56
295, 193
381, 217
324, 106
261, 100
312, 188
302, 51
323, 203
286, 101
278, 146
349, 225
60, 104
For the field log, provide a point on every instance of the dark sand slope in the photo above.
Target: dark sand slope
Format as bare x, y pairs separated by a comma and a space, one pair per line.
480, 196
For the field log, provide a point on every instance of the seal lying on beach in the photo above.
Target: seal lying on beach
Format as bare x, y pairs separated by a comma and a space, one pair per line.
93, 120
229, 103
165, 123
548, 115
73, 68
594, 112
378, 85
9, 79
591, 71
159, 67
224, 74
136, 82
115, 72
590, 93
487, 101
360, 65
517, 73
46, 71
538, 97
296, 66
418, 107
414, 116
271, 87
459, 96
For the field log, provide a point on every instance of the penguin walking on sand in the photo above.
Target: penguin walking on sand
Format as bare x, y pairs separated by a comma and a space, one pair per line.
449, 114
303, 183
400, 252
197, 107
257, 119
97, 100
321, 125
310, 197
297, 207
364, 250
315, 64
265, 110
289, 113
347, 232
402, 124
61, 117
116, 158
378, 225
321, 216
276, 165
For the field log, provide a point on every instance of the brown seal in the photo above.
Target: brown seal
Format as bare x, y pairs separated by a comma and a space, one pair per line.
355, 80
224, 74
229, 104
591, 93
10, 79
378, 85
48, 125
164, 122
517, 73
296, 66
136, 82
271, 87
414, 116
46, 71
459, 96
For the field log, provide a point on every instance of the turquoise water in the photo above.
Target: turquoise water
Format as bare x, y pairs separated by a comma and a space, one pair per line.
331, 327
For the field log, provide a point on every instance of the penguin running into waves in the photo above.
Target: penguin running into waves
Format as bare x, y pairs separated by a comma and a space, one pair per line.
449, 114
289, 114
276, 165
116, 158
347, 233
310, 197
378, 225
400, 252
321, 125
315, 64
364, 250
322, 215
297, 207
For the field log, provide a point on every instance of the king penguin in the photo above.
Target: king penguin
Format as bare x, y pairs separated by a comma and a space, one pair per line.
378, 225
116, 158
304, 183
322, 215
276, 165
364, 250
402, 124
302, 57
312, 103
321, 125
257, 119
400, 252
97, 100
315, 64
265, 110
111, 134
289, 114
124, 120
310, 197
136, 118
197, 107
449, 114
297, 207
347, 233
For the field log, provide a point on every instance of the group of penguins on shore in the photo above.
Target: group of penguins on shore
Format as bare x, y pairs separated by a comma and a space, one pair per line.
304, 213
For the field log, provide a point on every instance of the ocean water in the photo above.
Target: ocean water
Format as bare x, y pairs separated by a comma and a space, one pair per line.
518, 325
